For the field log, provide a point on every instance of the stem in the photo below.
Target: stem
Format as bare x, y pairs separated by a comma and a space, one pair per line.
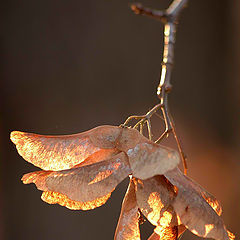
156, 14
169, 18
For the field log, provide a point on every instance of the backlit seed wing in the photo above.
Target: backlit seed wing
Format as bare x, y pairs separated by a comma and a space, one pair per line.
164, 233
154, 198
181, 230
63, 200
63, 152
148, 159
211, 200
192, 209
83, 184
154, 236
168, 232
128, 226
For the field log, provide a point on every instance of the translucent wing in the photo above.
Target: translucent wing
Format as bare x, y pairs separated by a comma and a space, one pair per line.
154, 198
164, 233
175, 175
192, 209
211, 200
128, 226
86, 184
63, 152
154, 236
167, 233
63, 200
148, 159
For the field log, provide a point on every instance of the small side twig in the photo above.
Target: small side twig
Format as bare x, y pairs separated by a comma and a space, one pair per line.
169, 18
156, 14
143, 119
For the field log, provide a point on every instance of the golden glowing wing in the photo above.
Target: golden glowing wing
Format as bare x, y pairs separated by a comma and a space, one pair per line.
84, 184
164, 233
154, 236
181, 230
148, 159
193, 210
211, 200
63, 152
154, 198
175, 175
167, 233
63, 200
128, 226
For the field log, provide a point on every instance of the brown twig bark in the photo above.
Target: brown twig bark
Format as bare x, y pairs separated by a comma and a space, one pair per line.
169, 18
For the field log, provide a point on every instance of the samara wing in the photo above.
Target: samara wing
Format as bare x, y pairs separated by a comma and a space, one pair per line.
83, 184
164, 233
148, 159
167, 233
154, 198
128, 226
64, 152
193, 210
175, 175
210, 199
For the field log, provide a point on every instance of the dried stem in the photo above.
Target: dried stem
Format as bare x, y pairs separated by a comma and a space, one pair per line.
156, 14
143, 119
169, 18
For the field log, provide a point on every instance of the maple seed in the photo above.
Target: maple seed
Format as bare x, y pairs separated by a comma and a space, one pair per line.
80, 172
86, 167
164, 207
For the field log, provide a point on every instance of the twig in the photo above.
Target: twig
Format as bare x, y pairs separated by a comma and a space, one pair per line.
156, 14
169, 18
142, 120
164, 86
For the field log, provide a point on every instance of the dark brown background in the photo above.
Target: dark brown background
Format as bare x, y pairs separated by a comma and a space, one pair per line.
68, 66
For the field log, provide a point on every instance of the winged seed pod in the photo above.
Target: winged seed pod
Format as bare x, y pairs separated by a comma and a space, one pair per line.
173, 203
81, 170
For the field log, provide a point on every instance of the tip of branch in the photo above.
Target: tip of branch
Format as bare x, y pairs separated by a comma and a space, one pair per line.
137, 8
170, 14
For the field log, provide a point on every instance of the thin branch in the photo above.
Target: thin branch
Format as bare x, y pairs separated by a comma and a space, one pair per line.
164, 86
169, 18
141, 10
164, 134
183, 156
176, 7
149, 126
142, 118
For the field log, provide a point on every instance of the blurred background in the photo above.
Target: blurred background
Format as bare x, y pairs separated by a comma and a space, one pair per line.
69, 66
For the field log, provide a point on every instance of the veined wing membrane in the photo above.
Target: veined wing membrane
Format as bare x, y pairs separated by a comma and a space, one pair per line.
128, 226
198, 216
62, 152
84, 184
